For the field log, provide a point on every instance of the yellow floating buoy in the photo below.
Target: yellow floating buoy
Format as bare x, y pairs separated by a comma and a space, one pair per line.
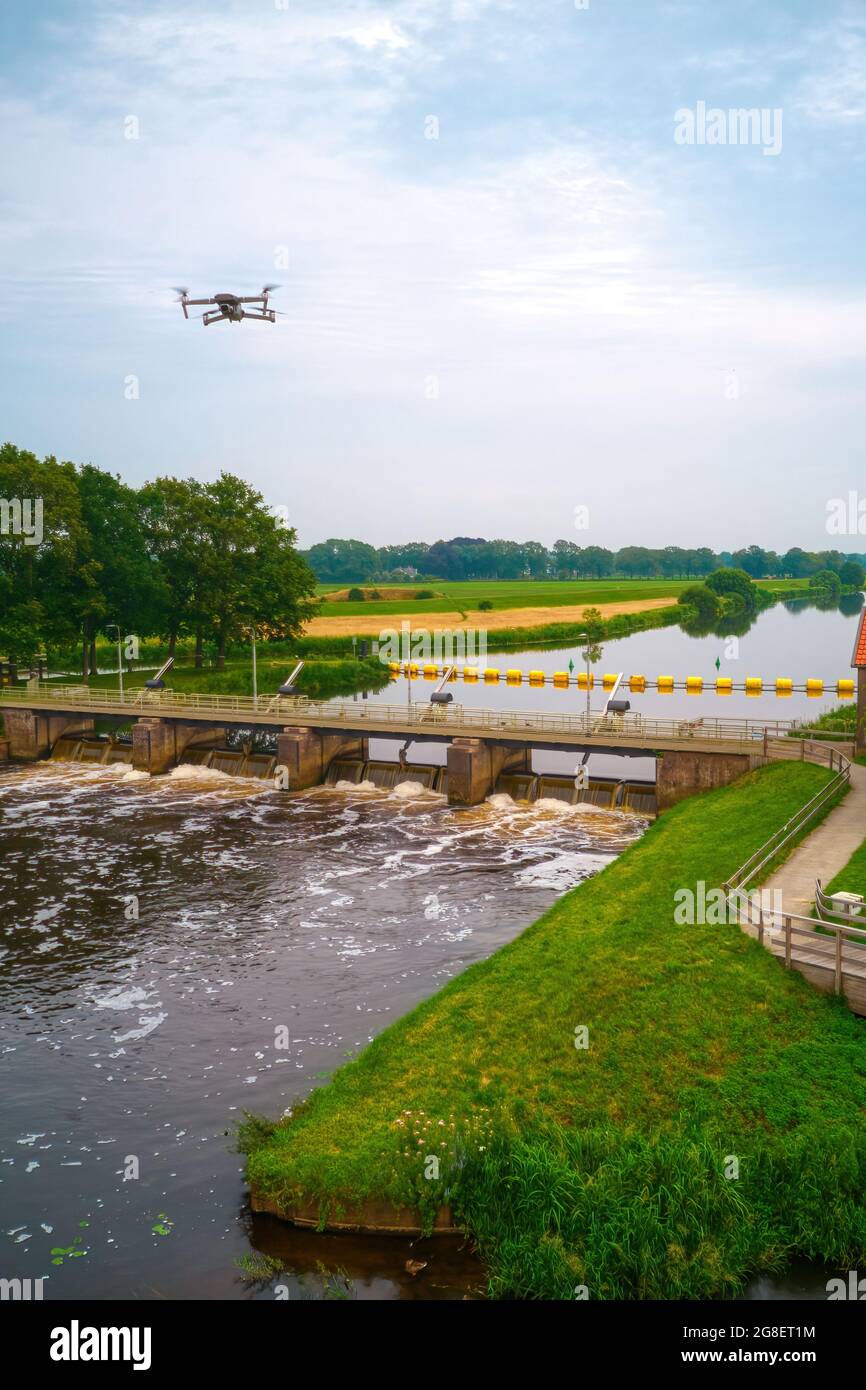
470, 673
491, 675
784, 686
536, 678
608, 680
411, 668
666, 684
560, 678
814, 687
431, 672
724, 685
394, 667
694, 684
514, 677
844, 689
637, 682
583, 680
754, 685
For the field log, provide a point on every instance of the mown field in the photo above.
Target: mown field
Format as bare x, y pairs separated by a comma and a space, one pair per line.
711, 1128
465, 596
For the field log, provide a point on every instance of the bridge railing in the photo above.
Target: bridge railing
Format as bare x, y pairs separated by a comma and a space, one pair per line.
421, 715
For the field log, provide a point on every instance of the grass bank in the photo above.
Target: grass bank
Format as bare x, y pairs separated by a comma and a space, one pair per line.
606, 1166
321, 678
851, 879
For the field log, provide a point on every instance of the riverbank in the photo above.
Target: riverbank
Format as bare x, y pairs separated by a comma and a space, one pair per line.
609, 1166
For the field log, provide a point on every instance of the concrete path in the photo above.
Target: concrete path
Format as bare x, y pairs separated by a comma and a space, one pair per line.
827, 850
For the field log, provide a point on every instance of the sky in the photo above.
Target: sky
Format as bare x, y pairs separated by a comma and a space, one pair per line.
515, 302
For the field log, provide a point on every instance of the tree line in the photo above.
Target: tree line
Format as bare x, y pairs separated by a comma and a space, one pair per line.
464, 558
83, 555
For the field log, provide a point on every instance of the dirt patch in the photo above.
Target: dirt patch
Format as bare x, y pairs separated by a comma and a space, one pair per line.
364, 626
387, 595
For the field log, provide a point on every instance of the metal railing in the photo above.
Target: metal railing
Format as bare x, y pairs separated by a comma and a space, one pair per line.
813, 753
419, 714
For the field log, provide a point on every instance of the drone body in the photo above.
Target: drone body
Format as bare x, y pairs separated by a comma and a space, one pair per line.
229, 307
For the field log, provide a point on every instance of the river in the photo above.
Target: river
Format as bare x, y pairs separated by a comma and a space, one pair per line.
331, 912
134, 1044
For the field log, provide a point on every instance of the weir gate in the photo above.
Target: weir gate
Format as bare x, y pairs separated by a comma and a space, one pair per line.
318, 742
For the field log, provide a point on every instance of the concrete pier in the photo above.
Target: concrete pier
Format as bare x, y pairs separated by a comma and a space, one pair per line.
474, 765
32, 735
159, 744
306, 754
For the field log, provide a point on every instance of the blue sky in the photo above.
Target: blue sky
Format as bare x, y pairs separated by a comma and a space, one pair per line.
543, 308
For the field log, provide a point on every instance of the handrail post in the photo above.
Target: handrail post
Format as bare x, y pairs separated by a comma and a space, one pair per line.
787, 943
838, 981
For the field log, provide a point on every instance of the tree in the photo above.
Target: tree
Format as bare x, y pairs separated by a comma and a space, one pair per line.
852, 574
342, 562
827, 582
733, 582
251, 575
42, 552
702, 600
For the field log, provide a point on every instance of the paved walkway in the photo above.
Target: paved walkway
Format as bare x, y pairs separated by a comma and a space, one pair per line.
827, 850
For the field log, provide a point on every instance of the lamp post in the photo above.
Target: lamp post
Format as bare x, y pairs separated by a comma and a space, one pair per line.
119, 656
255, 682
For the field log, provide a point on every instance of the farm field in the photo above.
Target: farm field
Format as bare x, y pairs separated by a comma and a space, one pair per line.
516, 603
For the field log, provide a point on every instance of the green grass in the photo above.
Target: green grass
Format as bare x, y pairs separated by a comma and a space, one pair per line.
320, 679
851, 879
466, 596
605, 1167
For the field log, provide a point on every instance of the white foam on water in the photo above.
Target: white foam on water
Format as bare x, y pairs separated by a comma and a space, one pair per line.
406, 790
565, 871
147, 1026
122, 998
194, 772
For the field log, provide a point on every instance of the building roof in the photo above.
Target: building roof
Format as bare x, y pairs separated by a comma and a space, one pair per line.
859, 657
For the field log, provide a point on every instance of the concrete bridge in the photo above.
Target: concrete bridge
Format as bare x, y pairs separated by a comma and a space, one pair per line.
693, 754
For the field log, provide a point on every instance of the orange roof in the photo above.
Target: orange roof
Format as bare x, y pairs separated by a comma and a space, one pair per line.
859, 657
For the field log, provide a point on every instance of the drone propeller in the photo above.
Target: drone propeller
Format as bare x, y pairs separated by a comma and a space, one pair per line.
267, 288
180, 290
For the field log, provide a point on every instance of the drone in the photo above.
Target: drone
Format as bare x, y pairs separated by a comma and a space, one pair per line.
230, 306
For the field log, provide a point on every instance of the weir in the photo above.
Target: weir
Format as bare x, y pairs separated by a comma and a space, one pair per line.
168, 728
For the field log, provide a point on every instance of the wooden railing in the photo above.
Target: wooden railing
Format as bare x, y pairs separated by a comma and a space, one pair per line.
806, 941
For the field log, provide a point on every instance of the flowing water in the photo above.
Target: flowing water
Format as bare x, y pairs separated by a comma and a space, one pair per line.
136, 1043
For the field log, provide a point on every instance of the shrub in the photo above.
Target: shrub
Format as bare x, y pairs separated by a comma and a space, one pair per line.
356, 595
701, 599
485, 605
425, 593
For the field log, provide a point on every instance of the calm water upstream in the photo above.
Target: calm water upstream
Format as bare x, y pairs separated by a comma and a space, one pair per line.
331, 912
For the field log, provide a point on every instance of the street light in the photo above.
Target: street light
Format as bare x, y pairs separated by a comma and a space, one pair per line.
119, 656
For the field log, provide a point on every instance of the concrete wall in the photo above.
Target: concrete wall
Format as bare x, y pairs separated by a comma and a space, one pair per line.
682, 774
32, 735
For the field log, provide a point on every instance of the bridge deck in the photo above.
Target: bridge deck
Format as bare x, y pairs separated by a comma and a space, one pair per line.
631, 731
